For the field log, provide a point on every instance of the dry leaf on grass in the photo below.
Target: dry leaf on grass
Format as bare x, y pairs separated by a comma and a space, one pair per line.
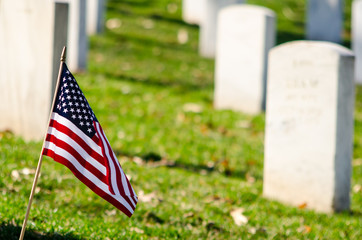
137, 230
142, 197
302, 206
239, 218
111, 212
192, 107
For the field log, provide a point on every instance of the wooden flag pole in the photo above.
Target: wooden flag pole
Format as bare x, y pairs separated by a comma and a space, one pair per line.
62, 60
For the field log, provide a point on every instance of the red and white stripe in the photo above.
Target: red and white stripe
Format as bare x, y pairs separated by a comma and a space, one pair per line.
91, 160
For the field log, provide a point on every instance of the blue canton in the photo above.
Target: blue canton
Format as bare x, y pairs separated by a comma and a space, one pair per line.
71, 104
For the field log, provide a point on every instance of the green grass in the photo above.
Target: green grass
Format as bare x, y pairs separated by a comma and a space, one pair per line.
153, 97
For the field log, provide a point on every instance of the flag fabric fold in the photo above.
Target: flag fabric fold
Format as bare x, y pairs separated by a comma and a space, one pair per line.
76, 139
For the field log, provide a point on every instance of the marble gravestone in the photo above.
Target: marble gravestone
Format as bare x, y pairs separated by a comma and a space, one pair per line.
193, 11
32, 36
207, 39
357, 38
77, 46
309, 125
245, 35
95, 16
325, 20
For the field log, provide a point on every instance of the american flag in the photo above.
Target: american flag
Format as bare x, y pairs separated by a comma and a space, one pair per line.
76, 139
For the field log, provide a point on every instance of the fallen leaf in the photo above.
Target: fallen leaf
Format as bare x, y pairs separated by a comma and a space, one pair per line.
238, 217
192, 107
138, 160
137, 230
357, 188
204, 129
307, 229
111, 212
357, 162
142, 197
182, 36
27, 171
172, 7
148, 24
188, 215
113, 23
302, 206
243, 124
15, 175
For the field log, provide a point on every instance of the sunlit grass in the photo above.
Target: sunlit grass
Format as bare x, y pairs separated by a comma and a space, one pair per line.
191, 164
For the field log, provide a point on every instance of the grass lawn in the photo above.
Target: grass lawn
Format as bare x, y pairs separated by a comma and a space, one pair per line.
191, 165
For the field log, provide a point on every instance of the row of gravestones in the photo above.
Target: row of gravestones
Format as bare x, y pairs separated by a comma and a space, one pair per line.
324, 22
32, 35
309, 105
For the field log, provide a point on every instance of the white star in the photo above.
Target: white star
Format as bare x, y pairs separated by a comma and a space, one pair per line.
78, 92
72, 109
73, 91
65, 110
81, 123
65, 85
64, 79
66, 91
68, 97
70, 103
80, 117
69, 78
89, 130
86, 117
84, 111
64, 104
74, 117
71, 84
82, 104
87, 124
78, 110
76, 104
62, 98
75, 98
67, 71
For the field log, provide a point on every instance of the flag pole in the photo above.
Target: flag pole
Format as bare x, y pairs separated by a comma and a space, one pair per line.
62, 60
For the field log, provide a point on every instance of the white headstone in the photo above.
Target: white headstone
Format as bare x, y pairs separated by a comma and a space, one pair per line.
77, 47
357, 38
309, 125
95, 16
32, 36
245, 35
325, 20
207, 39
193, 11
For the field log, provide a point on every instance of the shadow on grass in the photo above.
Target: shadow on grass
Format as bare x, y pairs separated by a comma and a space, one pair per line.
119, 9
9, 231
148, 42
155, 160
176, 84
203, 169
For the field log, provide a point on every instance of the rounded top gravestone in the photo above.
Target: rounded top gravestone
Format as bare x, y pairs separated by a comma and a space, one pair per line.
245, 35
309, 125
